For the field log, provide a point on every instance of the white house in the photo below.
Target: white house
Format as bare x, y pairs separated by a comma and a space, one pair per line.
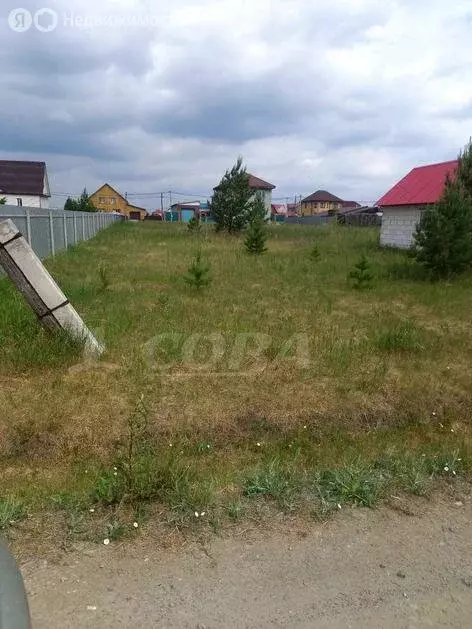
24, 183
403, 205
264, 189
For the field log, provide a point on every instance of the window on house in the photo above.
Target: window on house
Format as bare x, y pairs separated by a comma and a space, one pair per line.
19, 202
323, 204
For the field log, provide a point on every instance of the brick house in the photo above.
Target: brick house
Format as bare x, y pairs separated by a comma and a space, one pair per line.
403, 205
320, 202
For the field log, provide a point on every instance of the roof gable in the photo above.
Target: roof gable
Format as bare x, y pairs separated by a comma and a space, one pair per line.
107, 186
421, 186
259, 184
21, 177
323, 196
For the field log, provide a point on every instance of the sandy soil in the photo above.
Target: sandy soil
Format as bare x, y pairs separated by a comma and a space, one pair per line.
364, 569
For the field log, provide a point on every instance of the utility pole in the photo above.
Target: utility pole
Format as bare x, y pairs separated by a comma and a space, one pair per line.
162, 206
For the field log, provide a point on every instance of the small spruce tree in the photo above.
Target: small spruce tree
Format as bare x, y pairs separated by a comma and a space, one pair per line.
3, 201
315, 254
443, 238
70, 205
256, 238
84, 203
232, 205
194, 225
361, 275
198, 274
258, 210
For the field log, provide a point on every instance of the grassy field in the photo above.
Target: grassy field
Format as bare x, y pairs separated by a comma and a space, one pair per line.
279, 383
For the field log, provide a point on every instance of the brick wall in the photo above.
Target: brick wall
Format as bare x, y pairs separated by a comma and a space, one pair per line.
398, 226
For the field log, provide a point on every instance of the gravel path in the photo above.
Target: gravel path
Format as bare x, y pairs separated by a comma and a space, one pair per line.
364, 569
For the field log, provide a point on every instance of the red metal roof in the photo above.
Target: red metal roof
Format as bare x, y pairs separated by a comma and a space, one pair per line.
422, 185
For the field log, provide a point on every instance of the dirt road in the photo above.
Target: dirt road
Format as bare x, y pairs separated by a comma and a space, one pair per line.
364, 569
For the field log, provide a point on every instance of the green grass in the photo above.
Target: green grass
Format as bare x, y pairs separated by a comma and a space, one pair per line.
11, 512
307, 391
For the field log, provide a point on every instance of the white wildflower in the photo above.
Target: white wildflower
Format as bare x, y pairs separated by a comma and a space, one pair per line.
136, 525
446, 469
92, 510
258, 444
91, 608
339, 506
197, 515
106, 541
202, 514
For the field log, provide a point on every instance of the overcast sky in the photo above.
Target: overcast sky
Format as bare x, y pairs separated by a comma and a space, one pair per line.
344, 95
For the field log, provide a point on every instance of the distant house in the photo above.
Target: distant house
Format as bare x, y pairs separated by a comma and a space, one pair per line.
320, 202
264, 189
350, 205
183, 211
24, 183
293, 209
403, 205
107, 199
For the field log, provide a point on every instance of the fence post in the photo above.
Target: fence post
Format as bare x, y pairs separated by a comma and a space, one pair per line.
75, 228
66, 244
51, 234
83, 225
39, 289
28, 226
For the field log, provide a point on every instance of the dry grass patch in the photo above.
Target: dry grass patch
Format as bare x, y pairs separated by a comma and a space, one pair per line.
341, 363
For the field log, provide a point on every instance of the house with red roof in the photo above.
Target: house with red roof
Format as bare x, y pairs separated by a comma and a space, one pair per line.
403, 205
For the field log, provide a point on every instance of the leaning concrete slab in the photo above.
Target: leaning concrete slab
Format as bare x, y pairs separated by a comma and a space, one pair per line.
39, 289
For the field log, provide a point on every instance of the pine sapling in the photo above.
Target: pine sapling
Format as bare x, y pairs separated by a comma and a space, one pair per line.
255, 242
194, 225
361, 275
315, 254
198, 274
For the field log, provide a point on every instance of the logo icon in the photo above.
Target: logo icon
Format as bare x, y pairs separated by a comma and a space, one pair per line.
20, 20
45, 20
